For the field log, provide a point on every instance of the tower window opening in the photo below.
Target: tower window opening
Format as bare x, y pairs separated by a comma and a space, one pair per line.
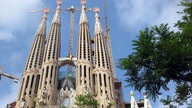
93, 79
105, 80
80, 82
47, 71
89, 77
37, 83
100, 79
80, 71
85, 71
27, 82
55, 75
48, 97
32, 81
51, 74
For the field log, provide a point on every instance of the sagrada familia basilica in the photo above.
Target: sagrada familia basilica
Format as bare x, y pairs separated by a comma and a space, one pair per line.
93, 66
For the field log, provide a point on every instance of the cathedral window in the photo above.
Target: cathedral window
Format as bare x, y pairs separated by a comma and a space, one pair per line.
80, 71
85, 71
105, 80
55, 75
100, 79
51, 73
32, 81
93, 79
47, 71
27, 82
37, 83
89, 76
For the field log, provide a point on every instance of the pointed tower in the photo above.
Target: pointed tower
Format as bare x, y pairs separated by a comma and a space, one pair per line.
47, 92
84, 57
133, 101
30, 78
102, 76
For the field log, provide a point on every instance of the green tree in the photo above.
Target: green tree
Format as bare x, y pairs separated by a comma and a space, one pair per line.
160, 56
86, 101
110, 104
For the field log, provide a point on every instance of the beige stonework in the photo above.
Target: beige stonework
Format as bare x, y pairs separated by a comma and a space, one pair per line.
93, 68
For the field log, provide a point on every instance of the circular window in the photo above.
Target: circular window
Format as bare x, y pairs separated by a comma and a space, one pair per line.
66, 102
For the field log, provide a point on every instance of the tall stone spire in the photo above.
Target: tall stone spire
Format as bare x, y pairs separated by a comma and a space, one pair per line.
83, 17
49, 74
84, 57
102, 76
30, 78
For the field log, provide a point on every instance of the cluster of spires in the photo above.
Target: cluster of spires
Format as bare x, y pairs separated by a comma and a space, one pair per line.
134, 103
41, 70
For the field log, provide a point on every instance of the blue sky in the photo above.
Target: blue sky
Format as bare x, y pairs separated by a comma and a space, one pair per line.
126, 17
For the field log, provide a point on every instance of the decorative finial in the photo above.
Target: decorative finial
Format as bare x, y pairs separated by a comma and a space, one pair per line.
96, 10
131, 93
45, 10
59, 2
83, 2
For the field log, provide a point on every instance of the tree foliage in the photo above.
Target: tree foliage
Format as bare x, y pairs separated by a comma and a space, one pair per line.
160, 56
86, 101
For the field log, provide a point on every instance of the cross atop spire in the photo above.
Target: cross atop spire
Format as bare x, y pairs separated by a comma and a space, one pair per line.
83, 2
58, 10
83, 17
96, 10
45, 10
98, 27
59, 2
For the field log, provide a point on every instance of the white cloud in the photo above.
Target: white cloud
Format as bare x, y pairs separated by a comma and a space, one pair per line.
140, 13
6, 36
13, 16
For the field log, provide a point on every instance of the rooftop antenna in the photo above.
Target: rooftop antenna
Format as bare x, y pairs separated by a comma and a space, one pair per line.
108, 40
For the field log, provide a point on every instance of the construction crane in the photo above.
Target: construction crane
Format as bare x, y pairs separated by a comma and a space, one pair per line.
8, 76
46, 10
72, 10
108, 40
